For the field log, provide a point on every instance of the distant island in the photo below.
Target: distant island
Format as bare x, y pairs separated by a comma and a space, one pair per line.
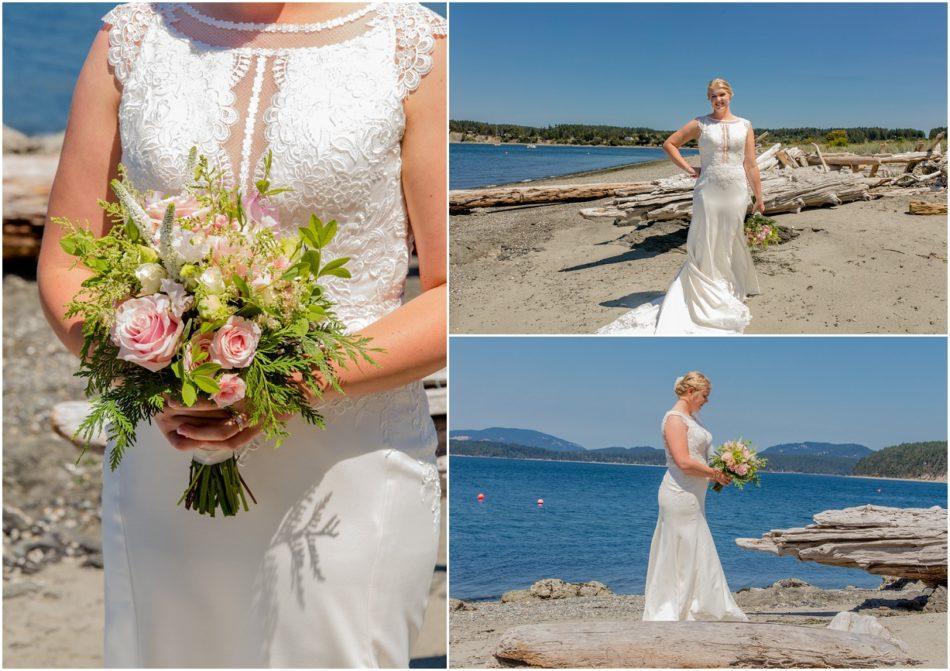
921, 461
638, 136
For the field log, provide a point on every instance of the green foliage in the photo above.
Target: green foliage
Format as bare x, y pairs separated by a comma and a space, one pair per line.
640, 136
926, 460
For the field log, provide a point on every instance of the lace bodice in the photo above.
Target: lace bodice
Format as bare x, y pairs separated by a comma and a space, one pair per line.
698, 439
722, 142
326, 99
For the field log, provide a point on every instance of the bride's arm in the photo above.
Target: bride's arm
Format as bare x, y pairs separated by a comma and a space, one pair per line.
672, 145
414, 335
675, 435
752, 169
87, 163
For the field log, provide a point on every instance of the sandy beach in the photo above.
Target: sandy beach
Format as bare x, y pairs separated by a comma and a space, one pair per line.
477, 627
865, 267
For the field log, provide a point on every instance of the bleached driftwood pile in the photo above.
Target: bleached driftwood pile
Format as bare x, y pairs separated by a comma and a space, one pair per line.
792, 181
904, 542
692, 645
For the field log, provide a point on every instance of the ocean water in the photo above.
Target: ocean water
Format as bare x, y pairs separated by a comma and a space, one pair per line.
475, 165
598, 519
44, 47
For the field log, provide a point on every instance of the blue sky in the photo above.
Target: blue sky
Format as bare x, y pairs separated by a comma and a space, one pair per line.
601, 392
826, 65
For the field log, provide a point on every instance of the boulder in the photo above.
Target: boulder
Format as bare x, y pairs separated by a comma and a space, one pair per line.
593, 588
864, 624
516, 595
553, 588
458, 604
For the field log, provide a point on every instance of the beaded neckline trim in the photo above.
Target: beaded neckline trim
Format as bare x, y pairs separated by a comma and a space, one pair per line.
279, 27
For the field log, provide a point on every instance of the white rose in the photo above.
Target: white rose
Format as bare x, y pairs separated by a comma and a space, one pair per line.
211, 280
150, 275
193, 246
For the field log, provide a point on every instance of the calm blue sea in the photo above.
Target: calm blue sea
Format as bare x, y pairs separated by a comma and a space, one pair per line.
44, 46
598, 519
475, 165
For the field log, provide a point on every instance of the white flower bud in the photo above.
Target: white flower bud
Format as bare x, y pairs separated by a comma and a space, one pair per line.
212, 281
150, 275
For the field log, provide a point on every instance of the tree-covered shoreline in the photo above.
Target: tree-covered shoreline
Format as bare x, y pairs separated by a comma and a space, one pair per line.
917, 461
640, 136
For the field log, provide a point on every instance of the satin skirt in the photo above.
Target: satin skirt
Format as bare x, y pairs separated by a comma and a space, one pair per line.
706, 296
685, 581
331, 568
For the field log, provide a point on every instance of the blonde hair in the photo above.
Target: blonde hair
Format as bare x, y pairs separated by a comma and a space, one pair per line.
718, 83
692, 381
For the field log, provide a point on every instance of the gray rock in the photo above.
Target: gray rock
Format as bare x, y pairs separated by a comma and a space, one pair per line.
516, 595
553, 588
937, 601
14, 518
790, 582
593, 588
13, 589
93, 561
458, 604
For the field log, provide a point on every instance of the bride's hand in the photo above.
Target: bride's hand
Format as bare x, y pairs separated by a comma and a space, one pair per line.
204, 424
722, 478
694, 173
760, 206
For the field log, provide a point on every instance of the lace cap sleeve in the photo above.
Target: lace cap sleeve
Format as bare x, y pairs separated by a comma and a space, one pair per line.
416, 30
129, 23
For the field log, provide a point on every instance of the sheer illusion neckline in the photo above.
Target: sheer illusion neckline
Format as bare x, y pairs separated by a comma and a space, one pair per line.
329, 24
715, 120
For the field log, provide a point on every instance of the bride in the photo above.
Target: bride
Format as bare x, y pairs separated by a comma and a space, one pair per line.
332, 568
684, 577
706, 296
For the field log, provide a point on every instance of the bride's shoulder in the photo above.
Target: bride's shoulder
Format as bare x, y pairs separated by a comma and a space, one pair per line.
413, 16
129, 13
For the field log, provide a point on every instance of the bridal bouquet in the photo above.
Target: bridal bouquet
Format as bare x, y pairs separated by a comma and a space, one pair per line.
196, 296
760, 231
737, 459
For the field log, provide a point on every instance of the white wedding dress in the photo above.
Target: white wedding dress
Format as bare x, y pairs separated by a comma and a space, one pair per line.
706, 297
332, 567
684, 577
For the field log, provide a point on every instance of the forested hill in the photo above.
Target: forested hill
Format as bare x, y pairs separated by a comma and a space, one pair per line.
926, 461
488, 448
475, 131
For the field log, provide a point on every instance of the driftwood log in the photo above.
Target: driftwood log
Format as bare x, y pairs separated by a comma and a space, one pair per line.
27, 179
463, 201
927, 207
696, 645
904, 542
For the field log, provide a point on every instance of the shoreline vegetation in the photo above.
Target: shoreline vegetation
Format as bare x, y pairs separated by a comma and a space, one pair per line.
491, 449
593, 135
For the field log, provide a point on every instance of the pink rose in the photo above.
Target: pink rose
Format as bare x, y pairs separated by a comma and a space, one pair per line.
185, 206
147, 331
231, 390
261, 211
202, 343
728, 459
742, 469
234, 343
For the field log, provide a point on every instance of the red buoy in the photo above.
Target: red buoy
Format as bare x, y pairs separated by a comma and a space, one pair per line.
540, 502
481, 497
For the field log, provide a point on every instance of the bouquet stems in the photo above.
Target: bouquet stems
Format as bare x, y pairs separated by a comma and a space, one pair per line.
213, 486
